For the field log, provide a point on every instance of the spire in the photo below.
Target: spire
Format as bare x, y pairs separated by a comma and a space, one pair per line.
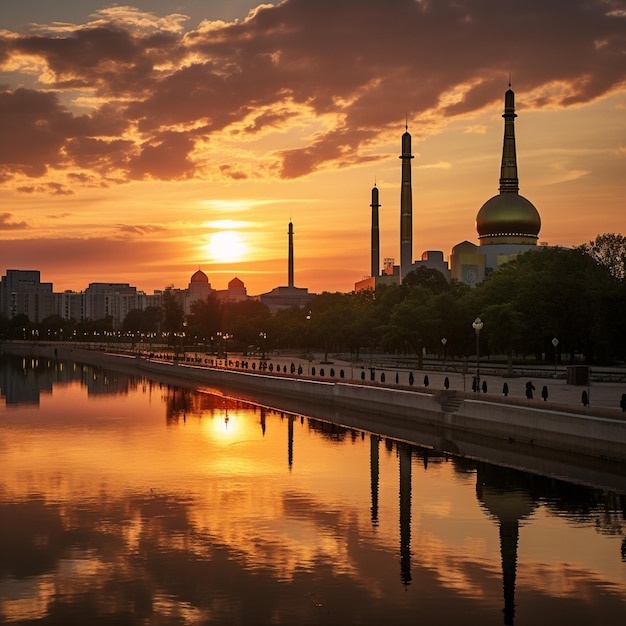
375, 247
509, 182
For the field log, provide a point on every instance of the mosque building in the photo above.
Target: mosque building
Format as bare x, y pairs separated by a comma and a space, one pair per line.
200, 289
508, 224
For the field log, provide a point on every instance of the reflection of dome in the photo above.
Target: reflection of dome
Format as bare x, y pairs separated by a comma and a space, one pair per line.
199, 277
508, 218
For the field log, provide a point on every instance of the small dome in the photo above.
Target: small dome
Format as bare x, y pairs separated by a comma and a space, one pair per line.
199, 277
508, 218
235, 283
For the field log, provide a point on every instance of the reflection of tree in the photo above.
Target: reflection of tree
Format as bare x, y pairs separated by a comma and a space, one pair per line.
328, 430
185, 402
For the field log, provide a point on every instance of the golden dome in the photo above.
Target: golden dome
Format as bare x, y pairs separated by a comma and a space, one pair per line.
508, 218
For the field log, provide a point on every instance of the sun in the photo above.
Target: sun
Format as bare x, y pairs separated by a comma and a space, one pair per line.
226, 246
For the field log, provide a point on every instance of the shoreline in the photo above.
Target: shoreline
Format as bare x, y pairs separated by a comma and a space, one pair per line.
539, 436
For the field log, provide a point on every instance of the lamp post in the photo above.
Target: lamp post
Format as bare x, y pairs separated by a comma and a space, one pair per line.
444, 341
263, 338
477, 325
555, 343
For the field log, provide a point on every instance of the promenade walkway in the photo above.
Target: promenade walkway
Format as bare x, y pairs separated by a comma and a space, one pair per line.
599, 394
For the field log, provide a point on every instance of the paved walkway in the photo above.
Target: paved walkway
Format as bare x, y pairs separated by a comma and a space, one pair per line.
599, 394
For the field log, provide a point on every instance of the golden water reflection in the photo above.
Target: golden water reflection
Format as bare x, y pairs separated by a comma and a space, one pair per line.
136, 502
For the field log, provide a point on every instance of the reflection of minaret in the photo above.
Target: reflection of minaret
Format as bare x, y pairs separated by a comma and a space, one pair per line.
263, 415
496, 488
374, 469
375, 265
290, 270
404, 451
406, 208
290, 421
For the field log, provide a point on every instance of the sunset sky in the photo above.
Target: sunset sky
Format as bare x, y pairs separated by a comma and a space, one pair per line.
140, 142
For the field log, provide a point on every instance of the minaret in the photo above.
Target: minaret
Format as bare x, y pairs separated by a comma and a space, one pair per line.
406, 207
290, 269
509, 182
508, 218
375, 266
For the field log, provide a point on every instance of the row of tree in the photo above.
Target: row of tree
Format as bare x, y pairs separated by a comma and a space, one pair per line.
577, 297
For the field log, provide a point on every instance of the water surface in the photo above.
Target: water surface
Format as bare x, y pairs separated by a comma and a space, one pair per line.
125, 501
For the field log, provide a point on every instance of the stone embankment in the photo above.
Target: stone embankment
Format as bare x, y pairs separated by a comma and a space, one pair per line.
437, 418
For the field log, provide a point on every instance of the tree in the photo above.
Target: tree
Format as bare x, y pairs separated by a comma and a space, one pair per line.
205, 319
431, 279
146, 321
173, 313
608, 250
558, 293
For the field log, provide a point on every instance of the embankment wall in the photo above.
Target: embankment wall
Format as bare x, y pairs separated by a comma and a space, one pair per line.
381, 409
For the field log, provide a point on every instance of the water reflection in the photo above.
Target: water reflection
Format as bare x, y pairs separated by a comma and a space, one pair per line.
152, 504
24, 379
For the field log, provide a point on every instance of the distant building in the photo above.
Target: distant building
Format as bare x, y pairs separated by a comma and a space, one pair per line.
236, 292
433, 259
23, 293
199, 289
287, 296
114, 300
70, 305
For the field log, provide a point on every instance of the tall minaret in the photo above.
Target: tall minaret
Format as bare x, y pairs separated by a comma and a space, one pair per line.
406, 207
509, 182
290, 269
508, 218
375, 265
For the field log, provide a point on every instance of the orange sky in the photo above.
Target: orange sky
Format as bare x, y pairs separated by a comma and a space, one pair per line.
129, 139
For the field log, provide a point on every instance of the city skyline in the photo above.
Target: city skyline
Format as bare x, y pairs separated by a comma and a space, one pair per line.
140, 145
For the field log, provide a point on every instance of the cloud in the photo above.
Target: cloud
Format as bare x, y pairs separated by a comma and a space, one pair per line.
7, 223
132, 96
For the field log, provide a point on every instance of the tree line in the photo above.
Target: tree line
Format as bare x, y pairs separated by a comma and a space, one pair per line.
549, 304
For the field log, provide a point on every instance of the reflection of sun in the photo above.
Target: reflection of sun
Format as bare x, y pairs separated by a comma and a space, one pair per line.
226, 246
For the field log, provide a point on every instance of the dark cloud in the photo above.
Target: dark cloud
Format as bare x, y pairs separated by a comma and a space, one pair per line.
51, 188
7, 223
133, 229
365, 62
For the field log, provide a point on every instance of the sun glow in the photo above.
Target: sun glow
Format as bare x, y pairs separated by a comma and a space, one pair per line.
226, 246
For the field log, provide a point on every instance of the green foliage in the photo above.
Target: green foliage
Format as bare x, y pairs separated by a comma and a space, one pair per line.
146, 321
205, 319
608, 250
173, 313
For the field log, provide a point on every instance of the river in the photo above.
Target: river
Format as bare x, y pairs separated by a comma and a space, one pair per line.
129, 501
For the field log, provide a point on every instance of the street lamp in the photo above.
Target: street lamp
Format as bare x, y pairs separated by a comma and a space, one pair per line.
477, 325
555, 343
262, 340
444, 341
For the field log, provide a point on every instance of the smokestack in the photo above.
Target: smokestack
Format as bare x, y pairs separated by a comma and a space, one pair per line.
290, 269
375, 265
